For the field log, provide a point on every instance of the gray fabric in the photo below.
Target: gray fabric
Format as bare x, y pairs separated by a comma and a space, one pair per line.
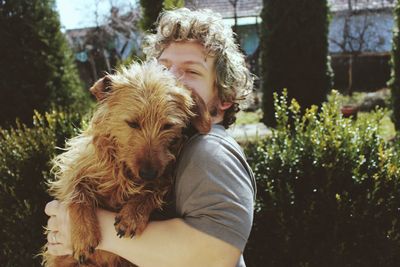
215, 188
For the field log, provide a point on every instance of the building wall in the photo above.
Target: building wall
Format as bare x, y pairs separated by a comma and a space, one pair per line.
377, 26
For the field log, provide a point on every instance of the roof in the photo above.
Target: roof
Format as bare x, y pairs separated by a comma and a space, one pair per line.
252, 8
245, 8
341, 5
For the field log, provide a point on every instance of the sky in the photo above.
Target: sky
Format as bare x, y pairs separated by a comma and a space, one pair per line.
81, 13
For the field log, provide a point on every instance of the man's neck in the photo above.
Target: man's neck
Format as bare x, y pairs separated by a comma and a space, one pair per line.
217, 119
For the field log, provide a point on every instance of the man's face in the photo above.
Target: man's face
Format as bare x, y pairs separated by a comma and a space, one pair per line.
188, 61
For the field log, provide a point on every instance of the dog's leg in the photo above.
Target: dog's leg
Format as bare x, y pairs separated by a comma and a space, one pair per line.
85, 232
134, 215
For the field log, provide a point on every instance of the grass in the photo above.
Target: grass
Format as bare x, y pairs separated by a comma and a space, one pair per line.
386, 127
247, 117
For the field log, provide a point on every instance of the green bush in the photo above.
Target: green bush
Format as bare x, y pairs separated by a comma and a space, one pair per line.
328, 191
25, 154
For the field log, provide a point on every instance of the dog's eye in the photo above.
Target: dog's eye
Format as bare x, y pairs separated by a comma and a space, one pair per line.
167, 126
174, 141
133, 124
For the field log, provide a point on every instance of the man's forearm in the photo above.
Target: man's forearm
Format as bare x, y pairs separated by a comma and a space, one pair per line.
167, 243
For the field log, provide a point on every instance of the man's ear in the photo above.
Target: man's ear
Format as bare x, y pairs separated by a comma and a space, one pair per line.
101, 88
225, 105
202, 119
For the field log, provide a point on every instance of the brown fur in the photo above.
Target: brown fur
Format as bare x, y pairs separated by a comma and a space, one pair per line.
135, 131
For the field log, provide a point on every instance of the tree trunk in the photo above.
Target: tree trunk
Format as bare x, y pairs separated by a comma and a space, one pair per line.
350, 71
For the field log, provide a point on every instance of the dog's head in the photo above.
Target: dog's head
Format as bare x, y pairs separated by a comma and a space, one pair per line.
139, 122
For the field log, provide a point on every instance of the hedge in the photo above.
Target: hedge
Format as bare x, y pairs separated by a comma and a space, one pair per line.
25, 154
328, 191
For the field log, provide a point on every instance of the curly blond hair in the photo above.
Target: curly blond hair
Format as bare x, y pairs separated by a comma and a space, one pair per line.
234, 81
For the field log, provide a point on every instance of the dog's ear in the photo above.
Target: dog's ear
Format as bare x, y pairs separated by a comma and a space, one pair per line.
202, 119
101, 88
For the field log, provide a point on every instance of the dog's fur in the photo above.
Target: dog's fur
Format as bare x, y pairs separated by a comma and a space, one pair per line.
123, 162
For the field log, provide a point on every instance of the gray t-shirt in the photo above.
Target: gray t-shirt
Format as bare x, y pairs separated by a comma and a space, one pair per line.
215, 188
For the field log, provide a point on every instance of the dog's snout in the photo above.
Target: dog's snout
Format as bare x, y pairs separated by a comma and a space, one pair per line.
148, 173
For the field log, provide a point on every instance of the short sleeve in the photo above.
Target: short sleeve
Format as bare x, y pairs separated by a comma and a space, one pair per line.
215, 191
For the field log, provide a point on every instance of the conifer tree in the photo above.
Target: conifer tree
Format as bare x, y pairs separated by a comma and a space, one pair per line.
294, 47
152, 8
36, 65
150, 11
395, 62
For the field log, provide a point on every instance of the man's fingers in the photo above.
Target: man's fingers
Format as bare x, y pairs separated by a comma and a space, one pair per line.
51, 208
58, 250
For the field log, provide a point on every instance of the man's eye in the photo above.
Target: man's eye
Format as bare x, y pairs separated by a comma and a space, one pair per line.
133, 124
165, 66
193, 72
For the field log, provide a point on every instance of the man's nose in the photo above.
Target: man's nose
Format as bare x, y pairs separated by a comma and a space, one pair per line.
177, 72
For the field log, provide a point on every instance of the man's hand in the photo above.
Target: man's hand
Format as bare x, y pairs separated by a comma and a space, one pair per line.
58, 229
163, 243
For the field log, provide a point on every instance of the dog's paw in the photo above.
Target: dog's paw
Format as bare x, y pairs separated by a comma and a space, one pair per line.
125, 227
84, 249
82, 256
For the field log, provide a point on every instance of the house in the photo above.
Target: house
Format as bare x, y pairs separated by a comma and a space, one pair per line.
360, 42
247, 13
362, 27
358, 27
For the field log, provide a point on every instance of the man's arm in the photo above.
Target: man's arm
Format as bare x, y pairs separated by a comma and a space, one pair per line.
167, 243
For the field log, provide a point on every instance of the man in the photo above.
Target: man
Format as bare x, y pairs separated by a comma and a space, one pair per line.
214, 188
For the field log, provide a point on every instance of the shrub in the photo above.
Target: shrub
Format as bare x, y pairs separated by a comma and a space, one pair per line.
25, 154
328, 191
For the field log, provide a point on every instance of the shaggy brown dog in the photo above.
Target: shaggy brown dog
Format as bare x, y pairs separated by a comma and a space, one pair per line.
123, 162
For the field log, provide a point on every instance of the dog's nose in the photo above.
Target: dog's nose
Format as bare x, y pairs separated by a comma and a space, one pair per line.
148, 173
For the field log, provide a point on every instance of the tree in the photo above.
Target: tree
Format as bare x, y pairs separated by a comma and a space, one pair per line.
294, 52
172, 4
152, 8
150, 11
36, 65
395, 63
114, 39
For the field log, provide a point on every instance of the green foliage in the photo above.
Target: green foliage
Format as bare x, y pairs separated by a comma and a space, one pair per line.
150, 11
25, 155
294, 45
395, 64
172, 4
248, 117
37, 67
328, 191
152, 8
129, 60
